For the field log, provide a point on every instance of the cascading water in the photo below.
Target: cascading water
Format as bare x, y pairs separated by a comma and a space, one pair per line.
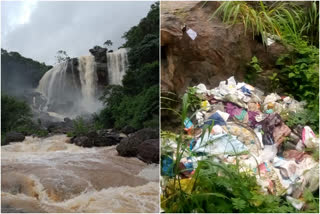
70, 91
89, 83
117, 65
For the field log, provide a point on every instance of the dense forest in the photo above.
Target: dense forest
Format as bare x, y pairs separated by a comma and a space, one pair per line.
20, 73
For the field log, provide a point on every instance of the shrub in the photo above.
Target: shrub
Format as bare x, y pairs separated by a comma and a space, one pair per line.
14, 113
299, 75
79, 127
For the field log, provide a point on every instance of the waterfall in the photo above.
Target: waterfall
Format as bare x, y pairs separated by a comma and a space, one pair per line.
89, 83
71, 91
117, 66
54, 86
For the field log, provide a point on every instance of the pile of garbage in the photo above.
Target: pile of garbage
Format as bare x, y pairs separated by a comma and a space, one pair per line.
247, 125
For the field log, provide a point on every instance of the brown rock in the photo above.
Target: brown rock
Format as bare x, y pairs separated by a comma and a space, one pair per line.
148, 151
218, 51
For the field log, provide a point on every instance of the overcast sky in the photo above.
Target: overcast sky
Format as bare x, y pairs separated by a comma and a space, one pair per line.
38, 29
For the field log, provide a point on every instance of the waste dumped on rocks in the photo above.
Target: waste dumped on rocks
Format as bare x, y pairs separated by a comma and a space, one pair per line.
238, 125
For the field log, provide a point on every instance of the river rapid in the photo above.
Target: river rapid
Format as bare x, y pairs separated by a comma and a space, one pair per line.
52, 175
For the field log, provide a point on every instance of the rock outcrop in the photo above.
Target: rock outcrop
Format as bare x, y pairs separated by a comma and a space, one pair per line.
100, 57
99, 53
62, 127
13, 137
139, 144
148, 151
97, 139
218, 51
128, 130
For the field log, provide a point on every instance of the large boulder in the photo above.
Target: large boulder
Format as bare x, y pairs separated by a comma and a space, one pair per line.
97, 139
128, 129
218, 52
128, 147
82, 141
106, 138
60, 127
13, 137
148, 151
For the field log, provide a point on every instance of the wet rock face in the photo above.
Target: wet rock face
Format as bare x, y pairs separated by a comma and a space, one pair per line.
94, 139
217, 52
100, 57
128, 130
148, 151
99, 53
133, 146
13, 137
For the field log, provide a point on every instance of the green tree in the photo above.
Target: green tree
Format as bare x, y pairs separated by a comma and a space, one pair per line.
136, 102
14, 113
107, 43
62, 56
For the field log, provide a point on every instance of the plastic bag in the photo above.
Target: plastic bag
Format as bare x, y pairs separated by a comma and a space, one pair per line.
219, 144
271, 98
201, 89
309, 138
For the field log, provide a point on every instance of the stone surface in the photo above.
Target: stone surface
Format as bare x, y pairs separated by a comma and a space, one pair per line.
13, 137
99, 53
217, 52
148, 151
128, 147
128, 130
60, 127
94, 139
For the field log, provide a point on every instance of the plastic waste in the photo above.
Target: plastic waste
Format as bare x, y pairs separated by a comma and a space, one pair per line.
219, 144
300, 146
242, 115
186, 167
260, 117
224, 115
188, 126
298, 156
296, 203
309, 138
254, 107
252, 118
192, 34
271, 98
269, 111
201, 89
274, 130
259, 135
216, 118
293, 105
268, 153
167, 166
245, 90
217, 129
245, 136
199, 117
